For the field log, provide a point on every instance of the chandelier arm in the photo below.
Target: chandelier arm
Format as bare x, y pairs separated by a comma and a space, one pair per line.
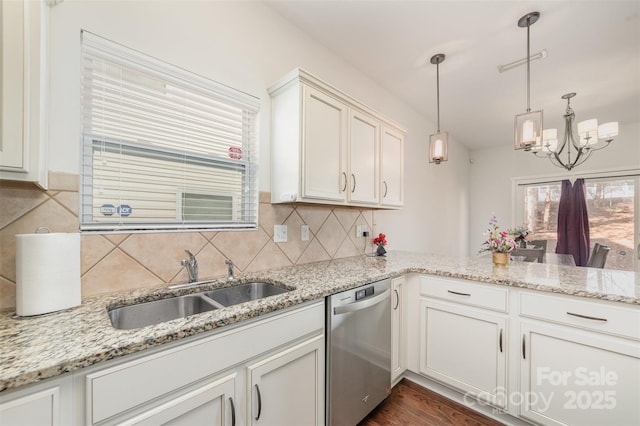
608, 141
555, 160
584, 158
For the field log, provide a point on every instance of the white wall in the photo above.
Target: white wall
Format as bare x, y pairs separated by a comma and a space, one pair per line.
248, 46
492, 170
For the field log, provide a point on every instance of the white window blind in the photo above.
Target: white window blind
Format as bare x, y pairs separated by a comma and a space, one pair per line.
153, 136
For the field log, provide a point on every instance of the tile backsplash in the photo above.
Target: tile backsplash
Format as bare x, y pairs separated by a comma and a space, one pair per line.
113, 262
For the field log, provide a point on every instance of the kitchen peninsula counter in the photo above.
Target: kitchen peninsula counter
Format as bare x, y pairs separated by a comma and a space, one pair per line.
33, 349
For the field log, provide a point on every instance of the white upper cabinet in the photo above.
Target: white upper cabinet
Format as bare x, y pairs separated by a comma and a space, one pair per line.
23, 42
325, 146
391, 168
364, 145
323, 153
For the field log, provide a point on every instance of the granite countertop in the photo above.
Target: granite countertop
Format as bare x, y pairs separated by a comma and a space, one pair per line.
33, 349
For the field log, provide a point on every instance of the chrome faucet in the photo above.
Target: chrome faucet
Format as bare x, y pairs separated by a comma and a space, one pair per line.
192, 266
229, 263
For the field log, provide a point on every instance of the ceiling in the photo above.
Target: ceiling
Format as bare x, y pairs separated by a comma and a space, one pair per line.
593, 50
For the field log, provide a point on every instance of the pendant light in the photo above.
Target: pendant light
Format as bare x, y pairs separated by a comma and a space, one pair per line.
438, 142
528, 125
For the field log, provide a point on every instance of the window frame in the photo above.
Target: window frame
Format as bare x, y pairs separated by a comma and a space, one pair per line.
245, 195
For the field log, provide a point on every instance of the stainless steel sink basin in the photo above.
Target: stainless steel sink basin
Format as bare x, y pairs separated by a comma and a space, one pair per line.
149, 313
244, 293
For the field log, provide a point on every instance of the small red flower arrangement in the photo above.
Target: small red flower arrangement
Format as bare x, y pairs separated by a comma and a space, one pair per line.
381, 241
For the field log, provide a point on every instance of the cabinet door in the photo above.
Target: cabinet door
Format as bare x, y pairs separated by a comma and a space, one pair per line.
364, 143
398, 341
392, 168
40, 408
324, 146
575, 377
211, 404
287, 388
465, 348
23, 77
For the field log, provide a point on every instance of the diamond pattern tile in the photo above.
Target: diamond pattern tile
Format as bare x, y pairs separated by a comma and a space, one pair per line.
331, 235
92, 249
117, 271
294, 247
273, 214
346, 249
270, 257
161, 253
346, 216
240, 247
313, 216
17, 200
314, 253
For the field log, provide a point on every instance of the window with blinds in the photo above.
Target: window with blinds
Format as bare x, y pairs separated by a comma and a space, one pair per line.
163, 148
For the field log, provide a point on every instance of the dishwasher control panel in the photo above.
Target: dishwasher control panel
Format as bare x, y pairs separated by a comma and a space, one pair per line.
365, 292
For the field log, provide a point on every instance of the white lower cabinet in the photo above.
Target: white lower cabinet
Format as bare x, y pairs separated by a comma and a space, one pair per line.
42, 404
213, 403
465, 348
545, 358
287, 388
570, 374
398, 329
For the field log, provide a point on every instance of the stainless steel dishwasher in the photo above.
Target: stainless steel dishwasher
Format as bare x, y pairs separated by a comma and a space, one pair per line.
358, 352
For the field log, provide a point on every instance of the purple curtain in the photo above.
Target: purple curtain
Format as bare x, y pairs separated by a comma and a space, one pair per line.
573, 222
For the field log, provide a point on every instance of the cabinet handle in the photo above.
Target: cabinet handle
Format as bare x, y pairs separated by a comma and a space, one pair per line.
524, 355
233, 412
500, 340
344, 188
459, 294
353, 178
587, 317
385, 188
397, 299
259, 403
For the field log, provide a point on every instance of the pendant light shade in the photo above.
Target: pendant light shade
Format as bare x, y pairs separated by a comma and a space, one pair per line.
438, 142
528, 125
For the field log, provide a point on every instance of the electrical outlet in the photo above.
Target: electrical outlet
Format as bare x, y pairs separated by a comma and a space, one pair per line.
360, 229
304, 233
279, 233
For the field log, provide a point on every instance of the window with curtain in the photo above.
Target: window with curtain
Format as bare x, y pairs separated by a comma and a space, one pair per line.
163, 148
611, 206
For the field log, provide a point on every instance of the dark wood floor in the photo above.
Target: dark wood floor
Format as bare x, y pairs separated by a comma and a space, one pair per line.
411, 404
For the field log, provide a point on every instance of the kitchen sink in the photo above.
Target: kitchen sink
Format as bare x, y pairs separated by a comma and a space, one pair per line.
158, 311
149, 313
244, 293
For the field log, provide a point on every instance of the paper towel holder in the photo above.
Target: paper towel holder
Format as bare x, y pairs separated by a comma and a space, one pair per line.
43, 228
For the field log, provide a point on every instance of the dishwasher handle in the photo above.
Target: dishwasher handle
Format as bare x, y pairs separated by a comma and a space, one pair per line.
367, 303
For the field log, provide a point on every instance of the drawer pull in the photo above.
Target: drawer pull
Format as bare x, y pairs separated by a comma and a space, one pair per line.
397, 299
587, 317
386, 188
459, 294
524, 354
233, 412
259, 403
353, 178
500, 340
344, 188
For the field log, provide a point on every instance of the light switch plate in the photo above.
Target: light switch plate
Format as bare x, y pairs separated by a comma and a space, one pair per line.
360, 230
279, 233
304, 233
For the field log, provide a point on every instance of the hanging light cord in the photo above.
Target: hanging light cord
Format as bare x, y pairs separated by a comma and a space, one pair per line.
438, 92
528, 67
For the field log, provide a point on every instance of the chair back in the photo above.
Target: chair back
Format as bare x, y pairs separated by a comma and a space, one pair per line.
598, 256
538, 244
530, 255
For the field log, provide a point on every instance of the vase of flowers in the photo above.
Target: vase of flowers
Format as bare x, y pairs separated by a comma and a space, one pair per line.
499, 243
380, 241
521, 235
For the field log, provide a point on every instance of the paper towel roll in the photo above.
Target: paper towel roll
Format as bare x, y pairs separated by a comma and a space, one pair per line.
47, 272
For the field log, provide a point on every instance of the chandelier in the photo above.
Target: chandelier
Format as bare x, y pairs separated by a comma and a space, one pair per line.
589, 139
530, 136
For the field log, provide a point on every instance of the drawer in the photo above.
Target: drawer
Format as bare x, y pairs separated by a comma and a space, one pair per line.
610, 318
465, 292
115, 390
